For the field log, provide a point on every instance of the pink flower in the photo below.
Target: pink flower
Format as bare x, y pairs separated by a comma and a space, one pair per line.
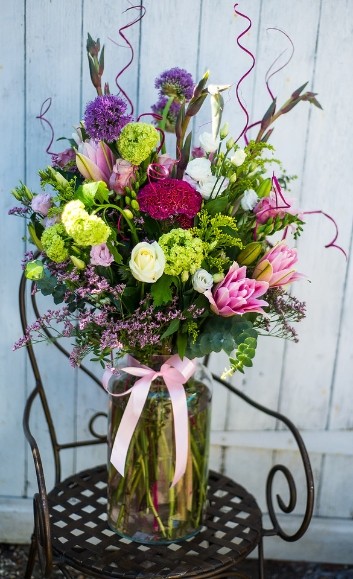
41, 203
170, 198
272, 207
167, 162
122, 176
237, 294
100, 255
276, 266
95, 161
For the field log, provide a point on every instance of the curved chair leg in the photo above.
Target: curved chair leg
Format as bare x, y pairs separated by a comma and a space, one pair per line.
31, 557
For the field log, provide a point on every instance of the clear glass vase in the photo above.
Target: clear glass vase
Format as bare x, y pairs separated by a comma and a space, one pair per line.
142, 505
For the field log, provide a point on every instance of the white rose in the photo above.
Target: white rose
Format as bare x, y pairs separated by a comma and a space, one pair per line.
147, 261
249, 200
202, 280
238, 157
212, 185
208, 143
199, 169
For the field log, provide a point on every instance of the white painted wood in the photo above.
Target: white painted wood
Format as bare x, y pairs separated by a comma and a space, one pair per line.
44, 55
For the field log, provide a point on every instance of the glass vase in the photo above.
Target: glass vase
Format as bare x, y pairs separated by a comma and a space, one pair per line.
142, 505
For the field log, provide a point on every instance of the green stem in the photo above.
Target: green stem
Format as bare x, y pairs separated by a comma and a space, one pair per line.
163, 122
121, 211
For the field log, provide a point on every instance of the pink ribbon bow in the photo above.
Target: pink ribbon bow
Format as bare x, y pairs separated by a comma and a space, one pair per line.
175, 372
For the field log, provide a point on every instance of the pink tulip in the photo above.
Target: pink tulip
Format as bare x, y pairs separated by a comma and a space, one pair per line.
122, 176
237, 294
95, 160
276, 266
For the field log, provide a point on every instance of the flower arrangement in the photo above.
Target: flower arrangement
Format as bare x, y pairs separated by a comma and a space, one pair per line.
155, 253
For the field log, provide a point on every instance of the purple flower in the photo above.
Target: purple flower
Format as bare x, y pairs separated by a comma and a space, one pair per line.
172, 113
41, 203
100, 255
175, 82
65, 160
105, 117
95, 160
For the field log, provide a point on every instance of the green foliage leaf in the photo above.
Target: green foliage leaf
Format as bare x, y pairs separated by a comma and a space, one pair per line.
47, 284
220, 333
161, 290
172, 328
217, 205
90, 193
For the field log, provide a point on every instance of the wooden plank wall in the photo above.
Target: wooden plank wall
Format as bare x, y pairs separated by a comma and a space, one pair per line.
43, 55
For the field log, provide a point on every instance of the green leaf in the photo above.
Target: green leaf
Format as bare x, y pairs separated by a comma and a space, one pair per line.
113, 250
161, 290
90, 193
47, 284
172, 328
217, 205
182, 341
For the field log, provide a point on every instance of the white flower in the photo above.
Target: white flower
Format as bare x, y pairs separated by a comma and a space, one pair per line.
147, 262
208, 142
249, 200
199, 169
202, 280
212, 185
238, 157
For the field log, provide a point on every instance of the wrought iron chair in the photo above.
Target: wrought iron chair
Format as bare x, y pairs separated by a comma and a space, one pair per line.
70, 528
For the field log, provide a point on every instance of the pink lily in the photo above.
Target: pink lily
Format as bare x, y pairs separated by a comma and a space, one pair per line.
95, 160
276, 266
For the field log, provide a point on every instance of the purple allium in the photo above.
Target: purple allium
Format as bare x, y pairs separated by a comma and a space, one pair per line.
168, 198
175, 82
105, 117
172, 113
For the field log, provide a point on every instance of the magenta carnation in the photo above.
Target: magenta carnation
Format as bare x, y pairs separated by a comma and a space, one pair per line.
168, 198
237, 294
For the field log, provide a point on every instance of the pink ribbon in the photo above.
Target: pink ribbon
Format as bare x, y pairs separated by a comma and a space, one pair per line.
175, 372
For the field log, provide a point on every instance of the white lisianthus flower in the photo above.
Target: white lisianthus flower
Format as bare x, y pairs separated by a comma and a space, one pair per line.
147, 262
212, 185
199, 168
202, 281
249, 200
238, 157
208, 142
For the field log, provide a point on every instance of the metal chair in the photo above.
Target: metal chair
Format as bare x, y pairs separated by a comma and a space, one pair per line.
70, 528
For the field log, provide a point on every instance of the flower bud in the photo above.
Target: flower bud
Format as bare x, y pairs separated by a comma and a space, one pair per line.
224, 131
135, 205
233, 178
217, 277
79, 263
127, 200
230, 143
127, 213
34, 270
250, 252
264, 188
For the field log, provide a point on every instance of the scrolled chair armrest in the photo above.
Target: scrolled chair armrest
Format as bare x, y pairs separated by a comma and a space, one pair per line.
42, 528
292, 501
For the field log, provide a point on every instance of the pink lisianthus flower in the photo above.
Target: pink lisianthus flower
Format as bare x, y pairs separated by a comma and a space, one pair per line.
100, 255
272, 207
122, 176
276, 266
95, 160
236, 294
41, 203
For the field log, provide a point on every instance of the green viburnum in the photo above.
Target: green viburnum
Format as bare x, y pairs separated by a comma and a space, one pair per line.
183, 251
54, 244
85, 229
137, 141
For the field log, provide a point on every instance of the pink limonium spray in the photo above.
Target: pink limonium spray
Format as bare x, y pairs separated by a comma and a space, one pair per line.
277, 266
237, 294
95, 160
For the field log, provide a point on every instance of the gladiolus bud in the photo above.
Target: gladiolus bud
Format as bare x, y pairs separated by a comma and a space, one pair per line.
135, 205
127, 200
264, 188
